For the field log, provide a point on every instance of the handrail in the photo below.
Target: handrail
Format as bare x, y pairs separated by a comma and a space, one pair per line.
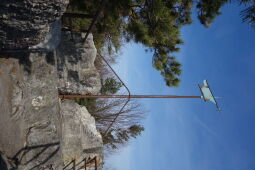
117, 115
71, 162
87, 163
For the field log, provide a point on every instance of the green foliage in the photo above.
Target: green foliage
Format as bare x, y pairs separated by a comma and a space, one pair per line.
122, 136
248, 14
89, 103
154, 23
209, 10
135, 130
76, 23
110, 86
157, 25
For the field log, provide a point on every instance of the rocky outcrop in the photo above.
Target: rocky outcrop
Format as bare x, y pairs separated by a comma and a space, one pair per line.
4, 164
51, 40
30, 118
37, 132
26, 23
76, 70
79, 134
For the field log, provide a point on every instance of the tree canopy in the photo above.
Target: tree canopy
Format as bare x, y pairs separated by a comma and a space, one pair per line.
155, 24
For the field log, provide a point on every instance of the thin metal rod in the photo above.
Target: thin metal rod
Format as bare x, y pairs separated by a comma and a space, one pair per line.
95, 163
85, 163
128, 96
125, 96
74, 164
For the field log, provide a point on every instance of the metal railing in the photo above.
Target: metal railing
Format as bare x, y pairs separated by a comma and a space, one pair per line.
84, 164
128, 99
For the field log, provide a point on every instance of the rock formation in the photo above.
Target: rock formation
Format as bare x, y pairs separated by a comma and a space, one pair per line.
30, 117
38, 130
76, 118
27, 22
76, 70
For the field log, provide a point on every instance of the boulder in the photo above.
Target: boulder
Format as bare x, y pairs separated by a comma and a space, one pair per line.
76, 70
79, 134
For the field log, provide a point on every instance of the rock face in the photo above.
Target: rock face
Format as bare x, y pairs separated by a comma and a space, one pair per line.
25, 23
77, 73
51, 40
4, 164
79, 134
30, 119
37, 132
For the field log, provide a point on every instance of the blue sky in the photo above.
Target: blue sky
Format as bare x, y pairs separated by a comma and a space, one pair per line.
189, 134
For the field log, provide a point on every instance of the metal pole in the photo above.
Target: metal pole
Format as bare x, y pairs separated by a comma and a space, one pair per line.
95, 163
125, 96
85, 163
74, 164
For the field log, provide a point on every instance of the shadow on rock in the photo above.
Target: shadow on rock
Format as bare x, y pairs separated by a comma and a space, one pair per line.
22, 57
42, 149
3, 165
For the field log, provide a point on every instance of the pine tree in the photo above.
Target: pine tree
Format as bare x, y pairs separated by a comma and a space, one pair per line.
155, 24
110, 86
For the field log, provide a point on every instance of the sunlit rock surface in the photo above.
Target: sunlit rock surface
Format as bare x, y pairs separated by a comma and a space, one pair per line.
38, 131
79, 130
26, 23
30, 118
76, 70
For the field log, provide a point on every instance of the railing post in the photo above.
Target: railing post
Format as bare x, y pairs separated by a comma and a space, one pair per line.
73, 164
85, 163
95, 163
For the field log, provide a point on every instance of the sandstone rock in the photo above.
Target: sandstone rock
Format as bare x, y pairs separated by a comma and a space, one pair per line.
77, 73
27, 22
